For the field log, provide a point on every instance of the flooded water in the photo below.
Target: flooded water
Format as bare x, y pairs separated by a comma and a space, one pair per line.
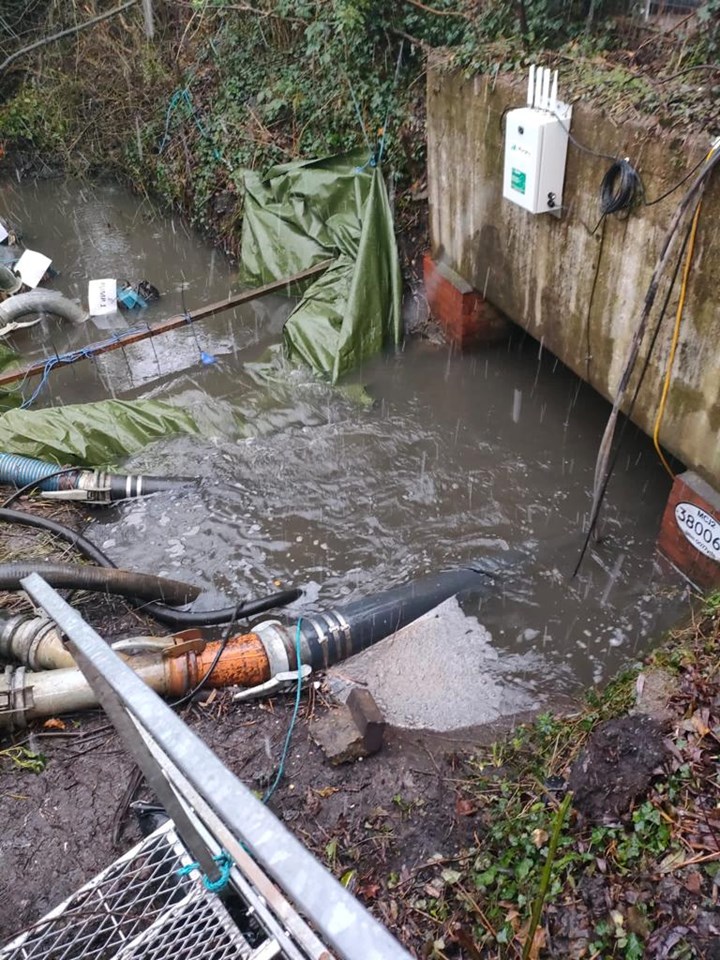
428, 459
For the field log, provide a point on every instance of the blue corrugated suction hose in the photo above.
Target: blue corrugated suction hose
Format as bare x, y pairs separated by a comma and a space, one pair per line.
20, 472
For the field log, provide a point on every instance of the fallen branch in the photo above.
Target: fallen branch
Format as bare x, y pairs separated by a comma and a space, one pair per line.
664, 34
65, 33
416, 41
713, 67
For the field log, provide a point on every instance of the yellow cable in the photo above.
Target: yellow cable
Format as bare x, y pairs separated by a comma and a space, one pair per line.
676, 334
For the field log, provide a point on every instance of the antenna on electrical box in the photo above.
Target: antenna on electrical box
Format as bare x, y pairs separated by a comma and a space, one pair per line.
536, 138
543, 92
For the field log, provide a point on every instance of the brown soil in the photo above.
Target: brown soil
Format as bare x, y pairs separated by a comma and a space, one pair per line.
616, 766
386, 814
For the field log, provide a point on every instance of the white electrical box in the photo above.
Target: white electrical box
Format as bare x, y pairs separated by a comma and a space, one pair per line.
536, 139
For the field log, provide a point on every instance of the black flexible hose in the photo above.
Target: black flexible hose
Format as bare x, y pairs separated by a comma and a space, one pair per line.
332, 635
125, 583
81, 544
123, 487
173, 618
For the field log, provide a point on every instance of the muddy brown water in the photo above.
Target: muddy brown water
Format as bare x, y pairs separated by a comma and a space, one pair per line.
427, 459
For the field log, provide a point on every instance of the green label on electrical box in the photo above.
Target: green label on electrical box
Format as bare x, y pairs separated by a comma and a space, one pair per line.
517, 180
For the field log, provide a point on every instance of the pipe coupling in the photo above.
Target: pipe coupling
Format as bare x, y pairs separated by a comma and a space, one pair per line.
26, 639
16, 698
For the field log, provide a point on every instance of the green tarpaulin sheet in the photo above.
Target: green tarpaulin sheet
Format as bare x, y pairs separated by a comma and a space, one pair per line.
7, 356
299, 214
91, 434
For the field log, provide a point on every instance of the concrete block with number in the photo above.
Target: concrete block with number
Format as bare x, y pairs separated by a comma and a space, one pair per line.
690, 531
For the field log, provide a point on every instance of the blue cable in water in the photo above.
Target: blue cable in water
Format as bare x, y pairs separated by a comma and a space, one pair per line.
293, 720
74, 355
71, 357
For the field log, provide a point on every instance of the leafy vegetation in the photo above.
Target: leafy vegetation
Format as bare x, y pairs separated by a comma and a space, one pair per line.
24, 759
227, 86
642, 884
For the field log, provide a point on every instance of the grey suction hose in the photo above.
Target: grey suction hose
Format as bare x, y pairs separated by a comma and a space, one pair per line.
124, 583
41, 301
174, 618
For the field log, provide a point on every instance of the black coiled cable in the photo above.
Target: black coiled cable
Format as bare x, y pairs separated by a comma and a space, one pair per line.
620, 189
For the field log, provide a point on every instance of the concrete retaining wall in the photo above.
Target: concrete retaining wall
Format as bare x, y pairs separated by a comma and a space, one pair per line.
541, 270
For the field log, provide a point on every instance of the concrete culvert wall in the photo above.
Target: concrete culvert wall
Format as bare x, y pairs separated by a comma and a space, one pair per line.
581, 292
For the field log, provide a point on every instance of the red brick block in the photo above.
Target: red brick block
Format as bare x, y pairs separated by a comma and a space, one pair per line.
462, 312
690, 531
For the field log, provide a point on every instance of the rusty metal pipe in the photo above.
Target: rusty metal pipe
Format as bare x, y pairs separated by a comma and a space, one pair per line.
172, 670
244, 663
36, 642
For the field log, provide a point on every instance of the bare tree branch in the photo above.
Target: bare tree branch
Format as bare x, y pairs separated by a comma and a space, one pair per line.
64, 33
439, 13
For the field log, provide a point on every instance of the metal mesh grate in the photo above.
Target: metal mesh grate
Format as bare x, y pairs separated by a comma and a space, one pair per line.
141, 892
198, 930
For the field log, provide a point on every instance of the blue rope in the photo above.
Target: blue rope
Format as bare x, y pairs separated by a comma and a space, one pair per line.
293, 719
185, 97
89, 353
63, 358
358, 114
175, 99
376, 161
225, 865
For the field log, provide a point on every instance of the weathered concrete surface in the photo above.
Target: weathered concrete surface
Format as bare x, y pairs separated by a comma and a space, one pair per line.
539, 270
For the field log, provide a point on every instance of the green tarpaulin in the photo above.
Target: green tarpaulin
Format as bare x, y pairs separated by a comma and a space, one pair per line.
91, 434
7, 356
299, 214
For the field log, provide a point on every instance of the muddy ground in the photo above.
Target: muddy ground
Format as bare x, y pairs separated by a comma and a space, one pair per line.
386, 814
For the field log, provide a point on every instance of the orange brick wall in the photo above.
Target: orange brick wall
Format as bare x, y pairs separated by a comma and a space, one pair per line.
463, 313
